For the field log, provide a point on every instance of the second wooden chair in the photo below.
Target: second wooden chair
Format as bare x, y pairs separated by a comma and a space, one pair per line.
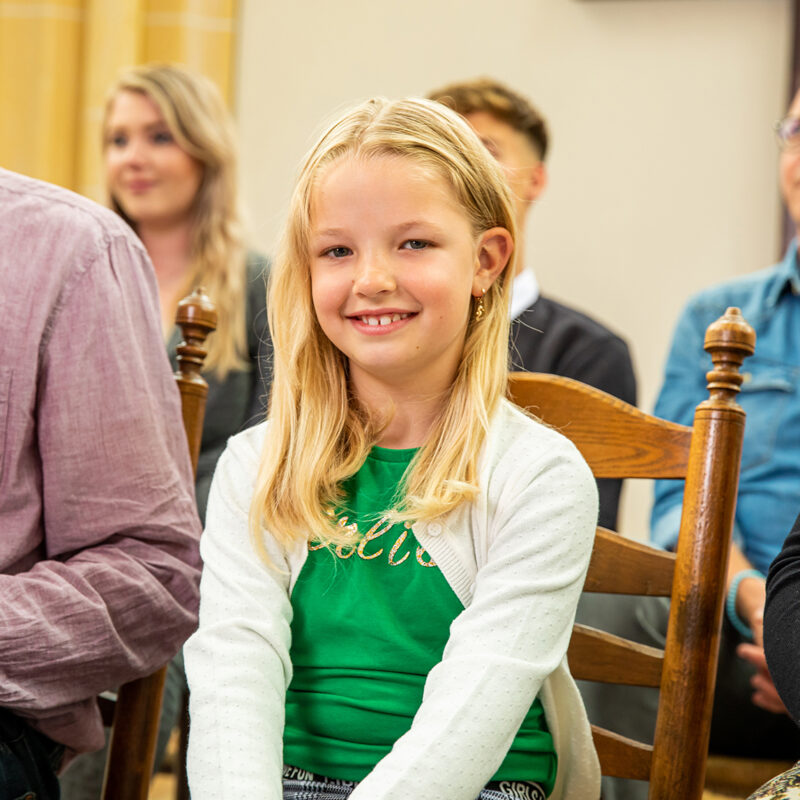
619, 441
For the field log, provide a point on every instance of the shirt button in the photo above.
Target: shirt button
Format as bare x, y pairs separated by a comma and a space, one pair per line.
434, 529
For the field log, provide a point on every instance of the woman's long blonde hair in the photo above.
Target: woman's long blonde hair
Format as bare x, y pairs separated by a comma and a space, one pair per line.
198, 120
318, 434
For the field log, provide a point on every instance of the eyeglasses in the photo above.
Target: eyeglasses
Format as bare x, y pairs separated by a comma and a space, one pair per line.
787, 132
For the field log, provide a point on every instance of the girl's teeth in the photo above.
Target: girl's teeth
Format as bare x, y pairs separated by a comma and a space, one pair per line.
385, 319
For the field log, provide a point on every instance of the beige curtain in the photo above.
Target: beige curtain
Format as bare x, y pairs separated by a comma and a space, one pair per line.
58, 57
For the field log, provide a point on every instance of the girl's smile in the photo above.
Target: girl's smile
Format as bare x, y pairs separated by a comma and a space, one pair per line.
380, 321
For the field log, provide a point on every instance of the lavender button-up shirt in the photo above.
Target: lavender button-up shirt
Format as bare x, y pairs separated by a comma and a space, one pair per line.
98, 529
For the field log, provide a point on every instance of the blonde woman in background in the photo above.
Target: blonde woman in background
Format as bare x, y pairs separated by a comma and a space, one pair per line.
170, 161
170, 158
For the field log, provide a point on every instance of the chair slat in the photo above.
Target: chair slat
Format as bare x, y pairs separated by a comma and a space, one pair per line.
616, 439
624, 566
621, 757
595, 655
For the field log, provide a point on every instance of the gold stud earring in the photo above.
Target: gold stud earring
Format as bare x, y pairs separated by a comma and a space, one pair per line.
479, 308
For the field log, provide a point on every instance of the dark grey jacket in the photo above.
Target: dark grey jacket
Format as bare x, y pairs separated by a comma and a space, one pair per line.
551, 337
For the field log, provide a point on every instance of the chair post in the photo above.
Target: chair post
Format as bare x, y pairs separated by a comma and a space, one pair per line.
683, 726
132, 747
196, 317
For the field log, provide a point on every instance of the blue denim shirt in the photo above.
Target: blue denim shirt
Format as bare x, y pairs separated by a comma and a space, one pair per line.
769, 484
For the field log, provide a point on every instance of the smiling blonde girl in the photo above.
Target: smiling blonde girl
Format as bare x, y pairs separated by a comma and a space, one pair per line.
393, 561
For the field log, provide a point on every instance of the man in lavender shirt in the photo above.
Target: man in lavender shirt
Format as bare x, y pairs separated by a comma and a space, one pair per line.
98, 528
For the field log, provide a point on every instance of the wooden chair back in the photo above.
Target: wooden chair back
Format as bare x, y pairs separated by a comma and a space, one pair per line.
134, 716
619, 441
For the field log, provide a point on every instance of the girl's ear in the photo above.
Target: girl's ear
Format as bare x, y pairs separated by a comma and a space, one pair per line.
494, 250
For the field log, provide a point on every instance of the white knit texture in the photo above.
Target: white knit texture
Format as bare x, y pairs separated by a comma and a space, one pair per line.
516, 557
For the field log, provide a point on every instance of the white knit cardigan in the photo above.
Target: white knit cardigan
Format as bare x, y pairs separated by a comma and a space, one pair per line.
516, 557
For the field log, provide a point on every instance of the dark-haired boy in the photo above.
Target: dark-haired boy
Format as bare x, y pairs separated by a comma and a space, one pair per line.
546, 336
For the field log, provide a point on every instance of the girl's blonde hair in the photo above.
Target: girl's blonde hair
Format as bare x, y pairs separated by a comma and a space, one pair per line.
198, 120
318, 435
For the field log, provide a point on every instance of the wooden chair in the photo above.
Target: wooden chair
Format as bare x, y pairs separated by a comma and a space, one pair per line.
619, 441
134, 716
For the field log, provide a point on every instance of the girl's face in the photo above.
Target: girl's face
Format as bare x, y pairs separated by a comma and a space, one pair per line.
152, 179
394, 264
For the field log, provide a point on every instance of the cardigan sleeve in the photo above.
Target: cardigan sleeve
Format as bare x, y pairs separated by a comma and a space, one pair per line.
237, 662
540, 516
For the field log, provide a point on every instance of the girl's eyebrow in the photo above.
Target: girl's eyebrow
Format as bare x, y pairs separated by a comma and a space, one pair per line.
417, 223
328, 232
401, 228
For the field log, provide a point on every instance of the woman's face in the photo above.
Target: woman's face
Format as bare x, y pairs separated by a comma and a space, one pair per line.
152, 179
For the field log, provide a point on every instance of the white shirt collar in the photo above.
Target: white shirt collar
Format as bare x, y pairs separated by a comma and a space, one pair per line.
524, 292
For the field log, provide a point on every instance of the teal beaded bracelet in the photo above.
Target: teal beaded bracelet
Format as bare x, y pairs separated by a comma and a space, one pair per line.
730, 602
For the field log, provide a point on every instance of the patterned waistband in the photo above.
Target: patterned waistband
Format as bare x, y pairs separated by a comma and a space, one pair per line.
300, 784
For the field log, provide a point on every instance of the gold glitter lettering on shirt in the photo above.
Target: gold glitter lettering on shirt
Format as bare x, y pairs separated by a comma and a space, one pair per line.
395, 548
421, 562
373, 533
351, 529
345, 550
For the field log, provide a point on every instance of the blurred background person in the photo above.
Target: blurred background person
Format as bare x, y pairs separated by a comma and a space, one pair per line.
546, 336
96, 507
749, 718
170, 168
170, 162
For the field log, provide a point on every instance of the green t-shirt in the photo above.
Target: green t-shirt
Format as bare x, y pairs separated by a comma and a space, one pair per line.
369, 624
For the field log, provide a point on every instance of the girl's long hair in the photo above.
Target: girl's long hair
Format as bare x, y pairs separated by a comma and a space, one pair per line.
318, 434
198, 120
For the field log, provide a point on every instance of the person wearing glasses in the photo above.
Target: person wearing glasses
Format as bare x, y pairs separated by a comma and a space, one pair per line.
749, 719
749, 716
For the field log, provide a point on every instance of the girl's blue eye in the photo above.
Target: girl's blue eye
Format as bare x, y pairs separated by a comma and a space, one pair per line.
338, 252
118, 140
415, 244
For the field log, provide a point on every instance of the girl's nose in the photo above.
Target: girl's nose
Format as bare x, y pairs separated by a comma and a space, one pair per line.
373, 275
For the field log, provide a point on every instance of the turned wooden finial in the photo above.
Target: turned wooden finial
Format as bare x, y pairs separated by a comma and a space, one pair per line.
728, 341
196, 317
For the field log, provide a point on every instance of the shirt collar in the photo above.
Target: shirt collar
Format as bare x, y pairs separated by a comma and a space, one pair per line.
524, 292
787, 277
